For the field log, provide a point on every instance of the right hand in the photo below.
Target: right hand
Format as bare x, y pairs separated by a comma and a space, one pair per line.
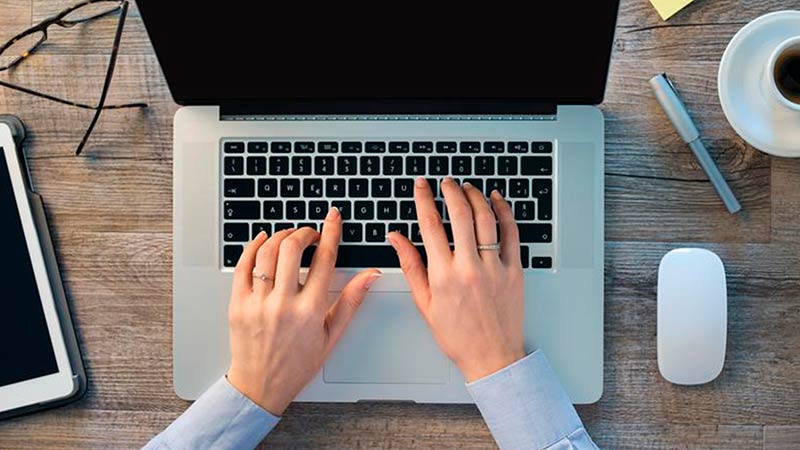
472, 301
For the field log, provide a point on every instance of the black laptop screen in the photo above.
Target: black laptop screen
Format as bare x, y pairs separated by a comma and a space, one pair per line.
220, 52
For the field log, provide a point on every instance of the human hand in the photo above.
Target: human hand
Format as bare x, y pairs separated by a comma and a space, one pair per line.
281, 332
472, 300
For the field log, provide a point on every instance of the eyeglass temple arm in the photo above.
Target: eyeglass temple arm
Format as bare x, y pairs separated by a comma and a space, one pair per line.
69, 102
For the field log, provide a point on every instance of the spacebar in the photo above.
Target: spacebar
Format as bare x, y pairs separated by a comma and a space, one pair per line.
350, 256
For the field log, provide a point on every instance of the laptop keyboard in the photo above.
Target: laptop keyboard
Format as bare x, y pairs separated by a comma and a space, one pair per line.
274, 185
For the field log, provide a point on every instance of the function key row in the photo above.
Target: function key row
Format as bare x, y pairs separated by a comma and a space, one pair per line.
391, 147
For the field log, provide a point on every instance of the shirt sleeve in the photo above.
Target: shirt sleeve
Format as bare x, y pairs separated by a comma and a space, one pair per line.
526, 408
222, 418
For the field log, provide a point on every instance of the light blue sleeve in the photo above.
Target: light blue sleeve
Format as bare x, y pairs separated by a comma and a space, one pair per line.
222, 418
526, 408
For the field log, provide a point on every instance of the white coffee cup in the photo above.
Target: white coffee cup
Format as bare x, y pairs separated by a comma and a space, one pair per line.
770, 89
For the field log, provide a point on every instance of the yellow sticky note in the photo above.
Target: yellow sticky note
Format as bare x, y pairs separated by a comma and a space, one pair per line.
667, 8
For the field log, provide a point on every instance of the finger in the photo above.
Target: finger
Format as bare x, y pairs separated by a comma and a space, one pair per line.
485, 221
430, 223
509, 233
290, 252
243, 272
267, 263
323, 264
460, 213
413, 269
345, 307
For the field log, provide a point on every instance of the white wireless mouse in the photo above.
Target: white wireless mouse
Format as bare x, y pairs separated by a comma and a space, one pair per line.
692, 316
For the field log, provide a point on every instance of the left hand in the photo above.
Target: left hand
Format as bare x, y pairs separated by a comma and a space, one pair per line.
281, 332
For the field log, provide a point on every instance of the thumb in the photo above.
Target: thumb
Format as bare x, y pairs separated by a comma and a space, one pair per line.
350, 299
414, 270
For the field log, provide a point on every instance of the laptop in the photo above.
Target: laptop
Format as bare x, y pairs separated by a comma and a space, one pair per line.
296, 108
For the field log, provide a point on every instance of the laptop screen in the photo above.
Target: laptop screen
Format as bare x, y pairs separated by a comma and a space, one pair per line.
216, 53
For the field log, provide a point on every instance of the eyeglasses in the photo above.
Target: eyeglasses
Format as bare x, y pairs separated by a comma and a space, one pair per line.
21, 46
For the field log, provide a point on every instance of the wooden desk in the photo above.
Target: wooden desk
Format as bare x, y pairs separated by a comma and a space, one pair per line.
110, 212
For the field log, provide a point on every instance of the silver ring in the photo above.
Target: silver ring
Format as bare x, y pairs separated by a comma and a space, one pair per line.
492, 247
263, 277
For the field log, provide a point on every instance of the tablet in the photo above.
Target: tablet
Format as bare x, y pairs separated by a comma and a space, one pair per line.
38, 347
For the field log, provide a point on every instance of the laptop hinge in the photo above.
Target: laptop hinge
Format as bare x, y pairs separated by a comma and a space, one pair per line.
388, 110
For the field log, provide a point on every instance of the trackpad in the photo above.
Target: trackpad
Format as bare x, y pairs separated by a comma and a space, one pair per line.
387, 342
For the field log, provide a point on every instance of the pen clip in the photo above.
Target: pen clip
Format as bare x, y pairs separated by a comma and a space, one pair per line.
669, 82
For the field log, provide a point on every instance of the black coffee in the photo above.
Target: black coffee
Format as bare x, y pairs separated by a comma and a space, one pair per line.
787, 75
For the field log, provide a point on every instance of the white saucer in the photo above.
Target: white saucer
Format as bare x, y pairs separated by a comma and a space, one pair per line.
769, 128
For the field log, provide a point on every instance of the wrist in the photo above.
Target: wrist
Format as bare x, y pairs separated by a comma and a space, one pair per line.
258, 392
485, 365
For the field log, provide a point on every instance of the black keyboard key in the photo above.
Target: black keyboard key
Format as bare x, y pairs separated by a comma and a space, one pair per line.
281, 147
334, 187
439, 207
422, 147
231, 255
462, 166
415, 165
345, 208
358, 256
267, 187
387, 210
351, 232
470, 147
328, 147
279, 165
233, 147
375, 147
346, 165
484, 165
317, 209
257, 147
517, 147
311, 225
312, 187
401, 228
296, 210
364, 210
494, 147
438, 165
507, 165
273, 209
239, 187
541, 262
519, 188
398, 147
236, 232
259, 227
358, 187
524, 210
234, 165
370, 165
434, 185
408, 210
445, 147
290, 187
304, 147
448, 231
525, 256
477, 182
375, 232
392, 165
543, 191
542, 147
323, 165
381, 187
241, 209
256, 165
404, 187
283, 226
535, 232
537, 165
351, 147
301, 165
416, 236
495, 183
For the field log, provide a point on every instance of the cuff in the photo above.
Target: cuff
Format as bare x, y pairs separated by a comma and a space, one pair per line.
525, 405
222, 418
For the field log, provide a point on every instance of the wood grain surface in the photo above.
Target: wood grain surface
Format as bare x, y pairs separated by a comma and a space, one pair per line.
110, 214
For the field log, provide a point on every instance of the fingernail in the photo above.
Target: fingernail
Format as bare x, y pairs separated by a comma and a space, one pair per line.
448, 180
496, 194
466, 185
420, 182
371, 279
332, 213
261, 234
